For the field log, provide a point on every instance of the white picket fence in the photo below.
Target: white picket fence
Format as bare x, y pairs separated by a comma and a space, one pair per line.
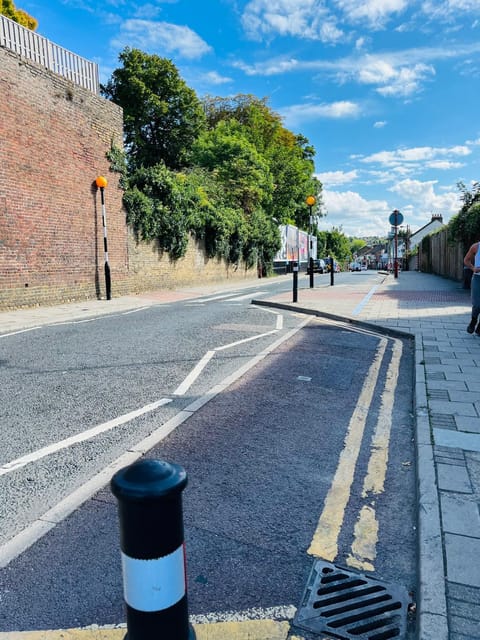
31, 45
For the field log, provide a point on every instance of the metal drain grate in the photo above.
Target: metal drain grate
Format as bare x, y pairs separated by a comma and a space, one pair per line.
344, 604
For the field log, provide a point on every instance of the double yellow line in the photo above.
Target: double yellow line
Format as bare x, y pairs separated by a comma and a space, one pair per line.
325, 539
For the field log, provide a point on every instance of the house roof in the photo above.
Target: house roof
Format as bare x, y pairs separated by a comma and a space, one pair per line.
435, 218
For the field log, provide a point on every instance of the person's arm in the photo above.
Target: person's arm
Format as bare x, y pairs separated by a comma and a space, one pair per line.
469, 260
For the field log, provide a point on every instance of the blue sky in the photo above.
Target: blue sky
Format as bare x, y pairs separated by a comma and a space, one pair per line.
387, 91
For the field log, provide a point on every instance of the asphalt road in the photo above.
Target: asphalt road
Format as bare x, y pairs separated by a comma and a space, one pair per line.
308, 454
60, 382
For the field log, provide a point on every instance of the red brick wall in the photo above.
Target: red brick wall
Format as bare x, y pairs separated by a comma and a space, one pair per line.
54, 137
53, 140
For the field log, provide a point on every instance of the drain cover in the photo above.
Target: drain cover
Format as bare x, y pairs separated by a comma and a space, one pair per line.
344, 604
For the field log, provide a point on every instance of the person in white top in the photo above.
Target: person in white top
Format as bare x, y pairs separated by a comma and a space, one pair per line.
472, 261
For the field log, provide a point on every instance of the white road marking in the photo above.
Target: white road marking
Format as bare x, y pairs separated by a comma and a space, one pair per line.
248, 295
193, 375
26, 538
200, 366
234, 344
14, 465
363, 302
127, 313
14, 333
219, 297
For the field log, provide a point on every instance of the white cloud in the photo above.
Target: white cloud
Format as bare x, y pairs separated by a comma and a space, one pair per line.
393, 74
447, 10
380, 124
444, 165
309, 19
360, 217
406, 81
298, 113
212, 77
335, 178
422, 199
390, 76
272, 67
354, 214
161, 38
415, 154
375, 13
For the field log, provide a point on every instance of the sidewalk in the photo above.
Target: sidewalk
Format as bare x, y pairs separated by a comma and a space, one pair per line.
447, 394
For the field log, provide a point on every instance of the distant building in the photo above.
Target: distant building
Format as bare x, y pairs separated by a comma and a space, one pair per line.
406, 244
435, 223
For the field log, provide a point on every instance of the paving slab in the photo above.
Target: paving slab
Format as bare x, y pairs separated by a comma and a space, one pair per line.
462, 554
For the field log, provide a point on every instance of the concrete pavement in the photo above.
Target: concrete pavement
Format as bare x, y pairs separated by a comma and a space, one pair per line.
447, 394
436, 312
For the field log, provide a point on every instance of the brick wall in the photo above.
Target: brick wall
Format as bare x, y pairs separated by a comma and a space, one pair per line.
53, 142
150, 268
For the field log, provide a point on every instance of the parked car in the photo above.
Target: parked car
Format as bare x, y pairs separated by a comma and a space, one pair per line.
357, 266
319, 266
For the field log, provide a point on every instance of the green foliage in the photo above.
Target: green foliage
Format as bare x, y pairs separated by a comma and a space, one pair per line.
356, 244
157, 207
226, 171
465, 225
162, 115
333, 243
7, 8
212, 218
289, 157
237, 165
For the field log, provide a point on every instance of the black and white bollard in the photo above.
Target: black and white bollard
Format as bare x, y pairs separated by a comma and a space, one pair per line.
149, 494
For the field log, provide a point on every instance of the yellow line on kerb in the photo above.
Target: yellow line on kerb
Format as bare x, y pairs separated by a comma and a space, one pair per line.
364, 547
377, 465
244, 630
325, 539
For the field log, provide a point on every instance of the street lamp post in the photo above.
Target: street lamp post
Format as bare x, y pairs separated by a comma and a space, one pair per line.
101, 183
310, 201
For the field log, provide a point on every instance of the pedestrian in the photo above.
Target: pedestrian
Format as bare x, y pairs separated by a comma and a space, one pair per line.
472, 261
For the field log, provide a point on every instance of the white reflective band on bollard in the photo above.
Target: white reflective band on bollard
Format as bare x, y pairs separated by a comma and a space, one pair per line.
154, 585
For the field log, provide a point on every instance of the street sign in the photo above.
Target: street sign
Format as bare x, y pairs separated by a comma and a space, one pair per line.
396, 218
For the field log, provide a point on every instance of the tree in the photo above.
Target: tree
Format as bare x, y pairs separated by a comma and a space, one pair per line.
465, 225
289, 157
333, 243
356, 244
162, 116
236, 164
7, 8
228, 172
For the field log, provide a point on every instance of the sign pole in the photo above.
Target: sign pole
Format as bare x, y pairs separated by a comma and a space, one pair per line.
395, 219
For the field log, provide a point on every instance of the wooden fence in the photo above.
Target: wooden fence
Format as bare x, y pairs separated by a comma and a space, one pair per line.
438, 254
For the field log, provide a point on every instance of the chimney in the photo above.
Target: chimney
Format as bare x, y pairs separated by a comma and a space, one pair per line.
437, 216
